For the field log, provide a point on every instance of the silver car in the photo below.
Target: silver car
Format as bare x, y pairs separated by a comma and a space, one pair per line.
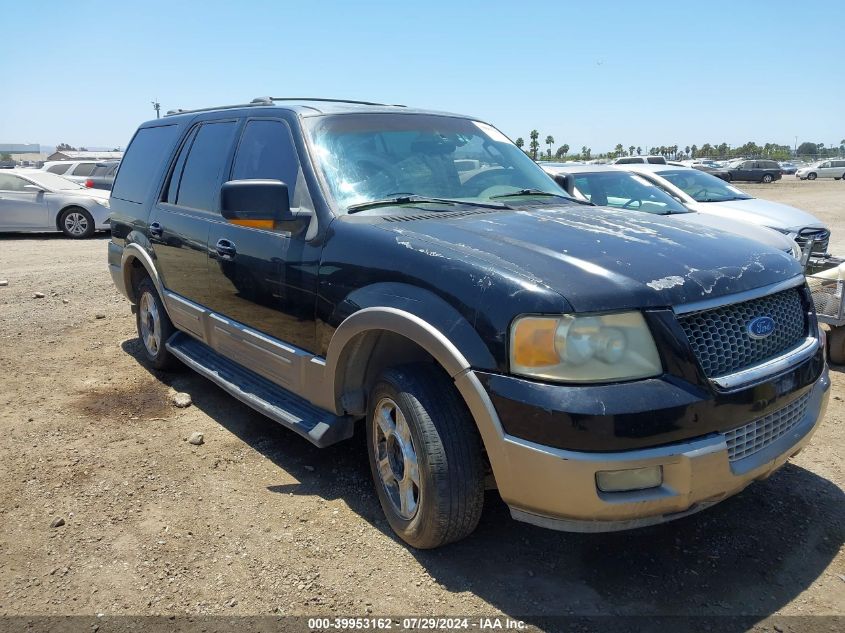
709, 195
833, 168
611, 186
35, 200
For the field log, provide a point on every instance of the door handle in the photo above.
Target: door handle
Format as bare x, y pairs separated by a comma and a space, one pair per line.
226, 249
156, 229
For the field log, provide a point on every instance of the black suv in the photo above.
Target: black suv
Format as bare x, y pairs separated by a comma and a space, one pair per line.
413, 274
754, 171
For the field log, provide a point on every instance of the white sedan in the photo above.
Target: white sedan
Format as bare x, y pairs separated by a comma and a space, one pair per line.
34, 200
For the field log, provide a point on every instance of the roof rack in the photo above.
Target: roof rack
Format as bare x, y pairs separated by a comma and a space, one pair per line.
268, 101
252, 104
324, 100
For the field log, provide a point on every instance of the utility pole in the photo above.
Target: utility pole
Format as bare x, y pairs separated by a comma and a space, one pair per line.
156, 107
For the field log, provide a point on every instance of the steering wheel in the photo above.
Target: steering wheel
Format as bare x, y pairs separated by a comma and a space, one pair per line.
630, 204
377, 173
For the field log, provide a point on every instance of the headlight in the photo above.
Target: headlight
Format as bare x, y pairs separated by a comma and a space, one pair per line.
796, 251
590, 348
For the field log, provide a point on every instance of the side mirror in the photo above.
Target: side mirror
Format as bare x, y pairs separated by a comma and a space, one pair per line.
562, 182
259, 203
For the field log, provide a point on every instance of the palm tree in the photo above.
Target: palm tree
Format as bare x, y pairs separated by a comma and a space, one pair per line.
565, 149
639, 150
686, 150
585, 152
619, 149
520, 143
693, 150
550, 140
535, 145
631, 150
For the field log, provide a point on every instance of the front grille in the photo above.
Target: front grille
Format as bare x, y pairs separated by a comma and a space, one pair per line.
757, 435
821, 237
720, 337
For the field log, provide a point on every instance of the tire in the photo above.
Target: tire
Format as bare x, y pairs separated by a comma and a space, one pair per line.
836, 345
424, 421
154, 326
767, 178
811, 176
76, 223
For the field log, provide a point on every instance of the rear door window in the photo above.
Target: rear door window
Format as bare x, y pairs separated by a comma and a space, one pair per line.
142, 162
83, 169
58, 169
199, 187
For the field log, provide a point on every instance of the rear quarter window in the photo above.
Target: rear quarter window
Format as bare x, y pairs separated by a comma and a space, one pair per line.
144, 158
58, 169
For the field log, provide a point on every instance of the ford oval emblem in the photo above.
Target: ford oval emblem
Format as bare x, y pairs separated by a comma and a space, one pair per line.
761, 327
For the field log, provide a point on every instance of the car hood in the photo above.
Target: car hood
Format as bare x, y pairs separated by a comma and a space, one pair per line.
762, 234
601, 259
761, 212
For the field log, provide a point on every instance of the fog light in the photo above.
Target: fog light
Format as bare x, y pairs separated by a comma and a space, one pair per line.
632, 479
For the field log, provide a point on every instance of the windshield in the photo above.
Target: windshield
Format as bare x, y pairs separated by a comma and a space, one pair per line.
623, 190
703, 187
369, 157
52, 181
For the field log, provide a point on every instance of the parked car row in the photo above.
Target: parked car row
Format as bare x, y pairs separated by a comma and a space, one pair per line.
596, 346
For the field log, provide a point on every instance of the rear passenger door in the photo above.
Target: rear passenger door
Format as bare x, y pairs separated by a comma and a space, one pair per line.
264, 277
180, 220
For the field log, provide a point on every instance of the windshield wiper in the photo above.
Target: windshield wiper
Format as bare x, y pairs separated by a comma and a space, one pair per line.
528, 192
414, 199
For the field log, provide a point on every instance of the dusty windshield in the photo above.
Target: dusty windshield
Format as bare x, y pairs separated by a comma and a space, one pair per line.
703, 187
369, 157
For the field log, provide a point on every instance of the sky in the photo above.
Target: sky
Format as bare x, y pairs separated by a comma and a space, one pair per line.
597, 73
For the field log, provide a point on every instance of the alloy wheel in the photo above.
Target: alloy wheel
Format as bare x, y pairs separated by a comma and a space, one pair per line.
396, 458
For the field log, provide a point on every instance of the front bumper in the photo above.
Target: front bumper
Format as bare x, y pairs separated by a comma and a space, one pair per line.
556, 488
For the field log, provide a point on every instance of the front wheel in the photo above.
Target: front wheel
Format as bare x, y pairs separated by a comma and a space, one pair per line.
76, 223
425, 456
811, 176
767, 178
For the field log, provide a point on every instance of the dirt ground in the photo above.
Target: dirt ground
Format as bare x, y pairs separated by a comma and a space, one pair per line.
257, 521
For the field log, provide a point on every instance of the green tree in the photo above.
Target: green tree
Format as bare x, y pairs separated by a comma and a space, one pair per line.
619, 149
808, 149
64, 147
687, 150
585, 152
520, 142
631, 149
535, 144
550, 140
639, 150
5, 156
563, 150
692, 150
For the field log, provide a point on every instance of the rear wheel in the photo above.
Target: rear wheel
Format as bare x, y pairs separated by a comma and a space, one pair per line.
767, 178
811, 176
425, 456
154, 326
76, 223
